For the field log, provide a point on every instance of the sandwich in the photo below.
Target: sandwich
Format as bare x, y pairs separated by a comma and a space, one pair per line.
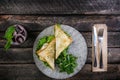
52, 50
47, 54
62, 40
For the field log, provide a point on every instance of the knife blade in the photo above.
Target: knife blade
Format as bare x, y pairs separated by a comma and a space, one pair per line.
95, 43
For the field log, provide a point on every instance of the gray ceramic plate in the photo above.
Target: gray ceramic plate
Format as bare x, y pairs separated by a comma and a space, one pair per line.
78, 48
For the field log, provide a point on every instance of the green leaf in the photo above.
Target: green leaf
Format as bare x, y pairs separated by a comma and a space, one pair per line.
41, 42
46, 64
8, 36
50, 38
9, 32
7, 45
66, 62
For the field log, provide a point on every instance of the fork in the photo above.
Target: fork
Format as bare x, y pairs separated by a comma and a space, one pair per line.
100, 39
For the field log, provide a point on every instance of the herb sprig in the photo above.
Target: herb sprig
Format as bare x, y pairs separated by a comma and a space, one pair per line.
8, 36
66, 62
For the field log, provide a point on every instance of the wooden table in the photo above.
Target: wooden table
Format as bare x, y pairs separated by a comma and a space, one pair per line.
18, 64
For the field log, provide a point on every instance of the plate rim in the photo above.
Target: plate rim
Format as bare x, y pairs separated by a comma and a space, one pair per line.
34, 46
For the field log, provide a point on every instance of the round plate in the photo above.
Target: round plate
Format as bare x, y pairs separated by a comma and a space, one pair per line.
78, 48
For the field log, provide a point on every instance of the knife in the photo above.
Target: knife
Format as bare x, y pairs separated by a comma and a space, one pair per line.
95, 43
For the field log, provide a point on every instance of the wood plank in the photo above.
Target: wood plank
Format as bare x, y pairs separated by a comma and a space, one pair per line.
113, 39
59, 7
31, 72
113, 55
38, 23
16, 55
25, 55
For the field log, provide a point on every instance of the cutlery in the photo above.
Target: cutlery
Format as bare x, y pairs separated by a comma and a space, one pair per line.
95, 43
100, 40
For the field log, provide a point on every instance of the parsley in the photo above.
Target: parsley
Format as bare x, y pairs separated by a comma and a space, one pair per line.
8, 36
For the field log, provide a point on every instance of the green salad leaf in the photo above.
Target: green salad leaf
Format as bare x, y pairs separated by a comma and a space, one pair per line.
43, 40
66, 62
8, 36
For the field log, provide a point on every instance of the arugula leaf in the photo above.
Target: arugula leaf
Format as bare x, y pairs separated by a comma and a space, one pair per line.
8, 36
66, 62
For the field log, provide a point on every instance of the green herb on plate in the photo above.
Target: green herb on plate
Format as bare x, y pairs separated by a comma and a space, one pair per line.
66, 62
8, 36
41, 42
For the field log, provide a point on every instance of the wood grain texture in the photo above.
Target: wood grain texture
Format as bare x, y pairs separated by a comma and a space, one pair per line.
59, 7
17, 63
113, 39
30, 72
38, 23
16, 55
25, 55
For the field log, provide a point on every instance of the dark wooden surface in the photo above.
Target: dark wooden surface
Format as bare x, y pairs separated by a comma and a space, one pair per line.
59, 6
35, 15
